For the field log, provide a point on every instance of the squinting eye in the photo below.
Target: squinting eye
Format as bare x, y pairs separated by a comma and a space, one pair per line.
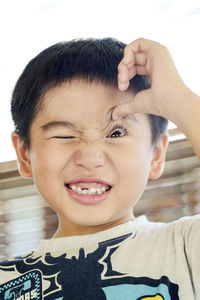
119, 131
63, 137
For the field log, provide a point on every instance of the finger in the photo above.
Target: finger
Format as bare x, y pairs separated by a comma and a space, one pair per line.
132, 72
147, 47
123, 74
140, 59
126, 71
124, 78
133, 62
140, 103
140, 45
129, 56
122, 65
141, 70
128, 61
123, 86
121, 110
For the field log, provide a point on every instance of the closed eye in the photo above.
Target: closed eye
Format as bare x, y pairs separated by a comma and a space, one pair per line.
63, 137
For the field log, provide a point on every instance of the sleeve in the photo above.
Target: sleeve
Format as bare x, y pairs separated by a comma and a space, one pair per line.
191, 242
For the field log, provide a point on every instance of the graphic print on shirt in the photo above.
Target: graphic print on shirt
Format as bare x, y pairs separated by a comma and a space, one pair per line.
88, 276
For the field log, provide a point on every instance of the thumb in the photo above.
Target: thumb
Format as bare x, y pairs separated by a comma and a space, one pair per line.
139, 103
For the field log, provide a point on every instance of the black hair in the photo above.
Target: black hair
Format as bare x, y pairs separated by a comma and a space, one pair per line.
93, 60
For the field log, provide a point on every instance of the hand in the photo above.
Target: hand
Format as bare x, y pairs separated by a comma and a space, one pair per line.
145, 57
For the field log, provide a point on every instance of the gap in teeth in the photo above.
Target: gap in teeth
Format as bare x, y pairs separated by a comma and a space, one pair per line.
86, 191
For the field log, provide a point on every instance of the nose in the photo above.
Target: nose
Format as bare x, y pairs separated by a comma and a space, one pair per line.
89, 157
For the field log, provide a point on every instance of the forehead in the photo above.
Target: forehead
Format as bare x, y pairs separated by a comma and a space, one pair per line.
79, 98
84, 104
80, 90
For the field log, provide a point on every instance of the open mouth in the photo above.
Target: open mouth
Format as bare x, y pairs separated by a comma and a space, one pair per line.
88, 191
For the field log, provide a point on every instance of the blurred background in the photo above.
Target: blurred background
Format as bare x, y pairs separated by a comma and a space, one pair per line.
27, 27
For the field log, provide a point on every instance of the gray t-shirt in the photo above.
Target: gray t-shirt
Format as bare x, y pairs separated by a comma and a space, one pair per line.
137, 260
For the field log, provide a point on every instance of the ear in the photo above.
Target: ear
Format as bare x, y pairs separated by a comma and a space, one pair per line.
22, 152
158, 157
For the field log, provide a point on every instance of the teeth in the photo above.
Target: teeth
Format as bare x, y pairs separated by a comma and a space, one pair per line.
73, 187
90, 191
79, 190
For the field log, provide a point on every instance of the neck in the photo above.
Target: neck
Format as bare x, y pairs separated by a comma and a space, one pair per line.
66, 228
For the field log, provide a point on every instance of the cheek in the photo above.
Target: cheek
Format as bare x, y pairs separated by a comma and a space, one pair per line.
133, 169
48, 162
132, 160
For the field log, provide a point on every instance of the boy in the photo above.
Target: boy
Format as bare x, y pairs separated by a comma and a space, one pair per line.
90, 148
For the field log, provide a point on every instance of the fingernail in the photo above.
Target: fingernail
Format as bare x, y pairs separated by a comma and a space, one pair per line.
114, 116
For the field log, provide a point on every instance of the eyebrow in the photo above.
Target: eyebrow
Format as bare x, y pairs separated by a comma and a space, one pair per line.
55, 124
67, 124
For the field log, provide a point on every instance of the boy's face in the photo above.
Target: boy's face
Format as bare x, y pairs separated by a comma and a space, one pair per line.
119, 153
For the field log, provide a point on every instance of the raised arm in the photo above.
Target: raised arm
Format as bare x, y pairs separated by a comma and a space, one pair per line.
168, 96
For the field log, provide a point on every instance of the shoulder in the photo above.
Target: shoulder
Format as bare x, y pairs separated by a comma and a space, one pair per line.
187, 225
183, 233
185, 228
